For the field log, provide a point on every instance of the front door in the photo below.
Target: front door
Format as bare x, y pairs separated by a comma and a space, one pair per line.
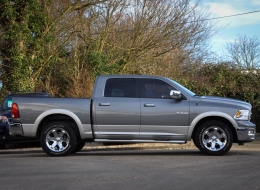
162, 118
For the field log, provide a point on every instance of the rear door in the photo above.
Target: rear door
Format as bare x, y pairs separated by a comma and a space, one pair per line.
117, 113
162, 117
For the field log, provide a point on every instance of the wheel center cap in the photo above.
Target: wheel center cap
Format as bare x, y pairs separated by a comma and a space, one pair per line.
214, 137
58, 138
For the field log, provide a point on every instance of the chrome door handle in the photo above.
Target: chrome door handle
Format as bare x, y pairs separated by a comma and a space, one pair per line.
149, 105
104, 104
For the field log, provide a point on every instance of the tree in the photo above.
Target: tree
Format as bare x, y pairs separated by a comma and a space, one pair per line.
22, 23
161, 37
78, 40
28, 44
140, 35
245, 52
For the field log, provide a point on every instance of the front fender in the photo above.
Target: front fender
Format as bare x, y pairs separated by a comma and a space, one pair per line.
209, 114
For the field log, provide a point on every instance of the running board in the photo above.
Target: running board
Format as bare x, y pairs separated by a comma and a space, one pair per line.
142, 141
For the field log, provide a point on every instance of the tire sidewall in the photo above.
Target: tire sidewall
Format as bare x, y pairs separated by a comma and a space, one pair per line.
67, 128
205, 126
2, 146
78, 147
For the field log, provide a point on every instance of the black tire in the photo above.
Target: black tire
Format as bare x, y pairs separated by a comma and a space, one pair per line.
58, 139
214, 138
194, 142
2, 146
78, 147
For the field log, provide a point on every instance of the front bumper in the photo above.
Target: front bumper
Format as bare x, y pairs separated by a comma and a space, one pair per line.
246, 131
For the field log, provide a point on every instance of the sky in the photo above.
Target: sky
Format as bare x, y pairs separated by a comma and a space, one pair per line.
244, 25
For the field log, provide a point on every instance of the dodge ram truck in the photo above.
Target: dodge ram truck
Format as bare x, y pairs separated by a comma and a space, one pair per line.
132, 109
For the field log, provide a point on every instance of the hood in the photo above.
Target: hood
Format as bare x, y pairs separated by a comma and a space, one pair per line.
232, 101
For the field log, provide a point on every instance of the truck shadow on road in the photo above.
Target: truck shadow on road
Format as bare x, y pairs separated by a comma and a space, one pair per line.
33, 149
40, 153
186, 152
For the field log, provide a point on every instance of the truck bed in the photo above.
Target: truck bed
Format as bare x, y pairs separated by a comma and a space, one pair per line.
33, 110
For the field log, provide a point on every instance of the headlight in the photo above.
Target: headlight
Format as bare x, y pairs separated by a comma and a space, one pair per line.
3, 119
242, 115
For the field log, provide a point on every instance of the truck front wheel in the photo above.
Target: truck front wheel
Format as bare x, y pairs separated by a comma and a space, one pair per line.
78, 147
58, 139
214, 138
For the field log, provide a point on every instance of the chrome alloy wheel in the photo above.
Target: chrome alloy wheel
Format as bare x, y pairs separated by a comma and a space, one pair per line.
57, 139
214, 138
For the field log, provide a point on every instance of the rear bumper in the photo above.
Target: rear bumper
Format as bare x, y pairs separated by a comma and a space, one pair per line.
16, 129
7, 138
246, 131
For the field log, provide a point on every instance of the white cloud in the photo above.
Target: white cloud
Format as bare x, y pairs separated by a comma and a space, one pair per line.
247, 24
256, 2
228, 7
220, 9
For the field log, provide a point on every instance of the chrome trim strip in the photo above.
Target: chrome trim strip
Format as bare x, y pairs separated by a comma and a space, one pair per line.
142, 141
160, 134
119, 133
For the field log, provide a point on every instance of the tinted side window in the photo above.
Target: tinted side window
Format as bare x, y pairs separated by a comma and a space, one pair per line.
121, 87
154, 88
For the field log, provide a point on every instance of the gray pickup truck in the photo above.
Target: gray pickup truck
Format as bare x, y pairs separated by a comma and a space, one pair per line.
134, 108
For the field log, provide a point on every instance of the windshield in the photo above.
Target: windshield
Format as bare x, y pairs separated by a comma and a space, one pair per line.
7, 103
183, 88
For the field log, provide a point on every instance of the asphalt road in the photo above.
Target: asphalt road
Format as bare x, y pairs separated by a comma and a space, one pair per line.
131, 167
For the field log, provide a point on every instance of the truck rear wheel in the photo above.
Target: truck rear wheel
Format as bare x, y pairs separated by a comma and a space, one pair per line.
214, 138
58, 139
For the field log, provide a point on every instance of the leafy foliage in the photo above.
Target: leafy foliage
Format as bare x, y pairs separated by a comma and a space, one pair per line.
23, 44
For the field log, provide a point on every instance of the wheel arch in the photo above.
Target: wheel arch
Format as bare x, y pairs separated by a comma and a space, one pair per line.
195, 125
58, 115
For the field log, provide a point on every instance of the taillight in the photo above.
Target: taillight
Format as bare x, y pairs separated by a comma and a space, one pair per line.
15, 111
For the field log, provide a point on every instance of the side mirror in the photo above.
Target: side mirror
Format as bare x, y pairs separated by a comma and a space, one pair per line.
174, 94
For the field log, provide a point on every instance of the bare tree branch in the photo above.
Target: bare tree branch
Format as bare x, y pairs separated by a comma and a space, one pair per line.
245, 52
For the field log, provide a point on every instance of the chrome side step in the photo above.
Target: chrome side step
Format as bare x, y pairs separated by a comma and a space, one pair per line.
141, 141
